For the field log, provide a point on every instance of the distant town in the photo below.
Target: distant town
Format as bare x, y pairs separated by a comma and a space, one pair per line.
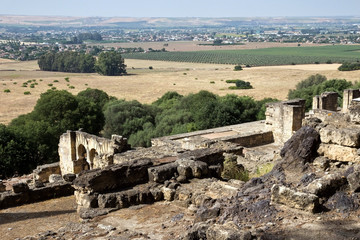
30, 42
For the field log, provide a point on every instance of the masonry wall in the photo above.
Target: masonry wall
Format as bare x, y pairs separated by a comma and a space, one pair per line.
253, 140
349, 95
326, 101
283, 118
30, 195
82, 151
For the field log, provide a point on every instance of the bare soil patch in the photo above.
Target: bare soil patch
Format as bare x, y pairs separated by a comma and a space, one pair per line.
147, 85
22, 221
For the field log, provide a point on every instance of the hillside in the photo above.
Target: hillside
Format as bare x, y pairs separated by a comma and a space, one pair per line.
130, 22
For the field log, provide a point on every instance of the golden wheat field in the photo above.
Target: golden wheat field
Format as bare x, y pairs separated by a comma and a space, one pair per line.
147, 85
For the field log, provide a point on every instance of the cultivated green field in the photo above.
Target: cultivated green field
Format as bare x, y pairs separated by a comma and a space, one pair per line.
260, 57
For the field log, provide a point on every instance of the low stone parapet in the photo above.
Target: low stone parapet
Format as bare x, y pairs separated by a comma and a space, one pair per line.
23, 194
115, 177
43, 172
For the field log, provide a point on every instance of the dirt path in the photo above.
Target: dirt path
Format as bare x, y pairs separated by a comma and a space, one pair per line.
22, 221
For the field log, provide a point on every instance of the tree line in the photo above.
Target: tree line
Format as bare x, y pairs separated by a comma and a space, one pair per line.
108, 63
32, 139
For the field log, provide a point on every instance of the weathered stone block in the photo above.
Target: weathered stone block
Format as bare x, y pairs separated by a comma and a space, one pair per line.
299, 200
162, 173
228, 231
191, 168
43, 172
354, 181
86, 200
69, 177
20, 187
53, 178
326, 185
157, 193
211, 156
114, 177
184, 168
169, 193
108, 201
338, 153
349, 137
38, 184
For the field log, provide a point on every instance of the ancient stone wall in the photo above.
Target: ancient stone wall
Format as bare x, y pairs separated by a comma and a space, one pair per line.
284, 118
42, 173
22, 193
349, 95
339, 133
326, 101
82, 151
354, 111
136, 182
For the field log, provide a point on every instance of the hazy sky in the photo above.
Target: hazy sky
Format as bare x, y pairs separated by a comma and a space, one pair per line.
182, 8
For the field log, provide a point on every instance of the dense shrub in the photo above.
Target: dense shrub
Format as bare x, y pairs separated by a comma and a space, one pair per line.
349, 66
238, 68
240, 84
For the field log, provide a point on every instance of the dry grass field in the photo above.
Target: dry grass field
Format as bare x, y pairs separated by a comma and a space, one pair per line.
147, 85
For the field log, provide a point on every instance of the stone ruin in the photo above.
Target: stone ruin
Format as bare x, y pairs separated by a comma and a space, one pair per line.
80, 151
318, 161
109, 175
284, 118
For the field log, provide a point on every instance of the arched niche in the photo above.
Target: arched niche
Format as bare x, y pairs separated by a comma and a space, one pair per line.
93, 154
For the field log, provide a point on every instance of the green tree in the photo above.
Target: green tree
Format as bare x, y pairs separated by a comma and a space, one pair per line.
126, 117
110, 64
311, 81
15, 154
95, 95
55, 113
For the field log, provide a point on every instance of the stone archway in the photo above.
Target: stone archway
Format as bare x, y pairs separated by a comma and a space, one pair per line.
81, 163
